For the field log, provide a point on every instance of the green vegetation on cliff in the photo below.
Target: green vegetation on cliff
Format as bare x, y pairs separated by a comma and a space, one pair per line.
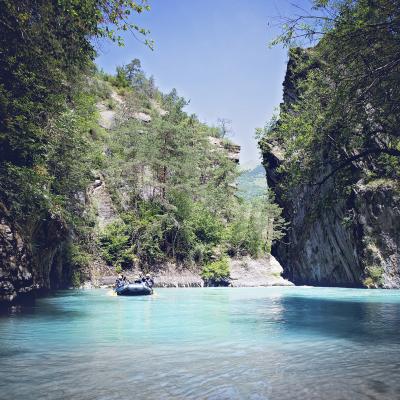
343, 117
332, 154
47, 116
216, 273
46, 113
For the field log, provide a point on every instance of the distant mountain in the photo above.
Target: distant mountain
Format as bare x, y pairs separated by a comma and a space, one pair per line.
252, 182
251, 164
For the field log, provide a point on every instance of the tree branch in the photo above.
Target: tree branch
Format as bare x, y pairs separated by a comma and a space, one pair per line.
345, 163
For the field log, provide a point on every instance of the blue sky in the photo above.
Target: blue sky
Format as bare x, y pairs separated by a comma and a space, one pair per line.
215, 53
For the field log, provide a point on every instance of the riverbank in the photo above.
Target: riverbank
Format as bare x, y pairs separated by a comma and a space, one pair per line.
244, 272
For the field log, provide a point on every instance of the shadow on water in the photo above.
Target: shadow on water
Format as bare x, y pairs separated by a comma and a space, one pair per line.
42, 305
267, 343
352, 320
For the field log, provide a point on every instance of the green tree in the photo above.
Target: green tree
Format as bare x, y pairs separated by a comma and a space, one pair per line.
46, 53
48, 115
178, 186
257, 223
169, 164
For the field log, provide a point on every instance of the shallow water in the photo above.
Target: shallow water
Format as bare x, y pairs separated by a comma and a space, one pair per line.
211, 343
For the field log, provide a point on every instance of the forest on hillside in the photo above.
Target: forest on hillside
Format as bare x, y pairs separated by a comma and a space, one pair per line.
174, 183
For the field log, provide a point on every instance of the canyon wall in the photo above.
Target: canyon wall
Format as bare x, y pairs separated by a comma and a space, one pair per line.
350, 239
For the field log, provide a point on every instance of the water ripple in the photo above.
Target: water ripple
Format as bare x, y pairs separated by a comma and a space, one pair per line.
268, 343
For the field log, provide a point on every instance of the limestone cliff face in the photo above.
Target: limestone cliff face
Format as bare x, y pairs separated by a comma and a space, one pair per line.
100, 199
31, 258
16, 261
351, 240
250, 272
232, 150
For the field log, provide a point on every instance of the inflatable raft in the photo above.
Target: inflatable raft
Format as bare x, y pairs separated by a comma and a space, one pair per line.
134, 289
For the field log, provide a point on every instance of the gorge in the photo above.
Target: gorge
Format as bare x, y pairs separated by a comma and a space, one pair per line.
105, 173
145, 254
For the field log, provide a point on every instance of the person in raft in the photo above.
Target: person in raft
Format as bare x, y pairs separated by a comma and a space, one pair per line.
148, 280
121, 281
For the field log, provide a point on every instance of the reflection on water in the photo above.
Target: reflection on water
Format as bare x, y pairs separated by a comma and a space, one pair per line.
264, 343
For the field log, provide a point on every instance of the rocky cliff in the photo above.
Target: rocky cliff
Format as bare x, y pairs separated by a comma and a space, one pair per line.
345, 238
15, 268
31, 257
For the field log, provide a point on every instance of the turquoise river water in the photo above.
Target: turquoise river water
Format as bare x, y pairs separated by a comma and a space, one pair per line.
211, 343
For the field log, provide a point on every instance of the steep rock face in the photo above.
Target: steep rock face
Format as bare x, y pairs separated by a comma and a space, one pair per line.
31, 258
379, 219
233, 150
250, 272
338, 242
100, 199
48, 239
16, 261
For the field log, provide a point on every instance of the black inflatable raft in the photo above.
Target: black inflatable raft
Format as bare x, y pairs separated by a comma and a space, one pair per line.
134, 289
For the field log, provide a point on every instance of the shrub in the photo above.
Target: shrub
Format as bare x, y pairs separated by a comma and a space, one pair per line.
76, 279
206, 227
118, 269
100, 88
133, 239
374, 277
78, 256
216, 273
201, 253
114, 242
256, 224
78, 259
111, 104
